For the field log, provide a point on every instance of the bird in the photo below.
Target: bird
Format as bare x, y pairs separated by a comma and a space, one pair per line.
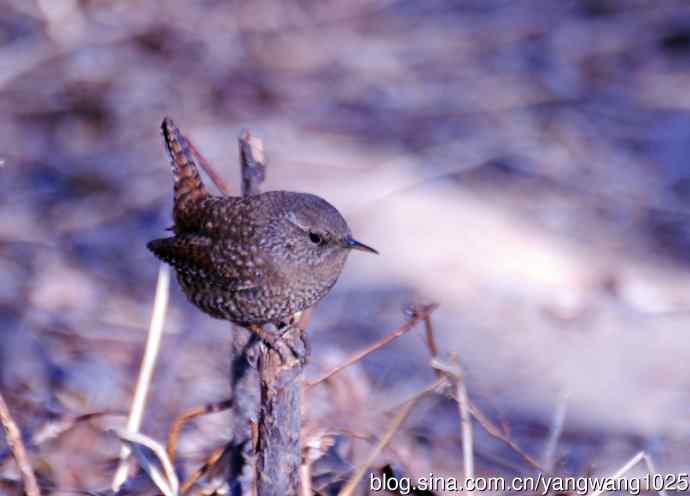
252, 260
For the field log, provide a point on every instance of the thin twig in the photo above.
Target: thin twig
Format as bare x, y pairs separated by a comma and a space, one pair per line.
13, 436
416, 317
180, 421
454, 371
209, 170
215, 456
466, 426
641, 456
316, 444
494, 430
549, 458
402, 414
252, 163
430, 341
53, 429
499, 434
56, 428
160, 305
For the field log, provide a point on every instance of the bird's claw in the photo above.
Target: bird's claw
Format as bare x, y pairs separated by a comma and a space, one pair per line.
282, 345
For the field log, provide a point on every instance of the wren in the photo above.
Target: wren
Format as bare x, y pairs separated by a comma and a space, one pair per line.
254, 259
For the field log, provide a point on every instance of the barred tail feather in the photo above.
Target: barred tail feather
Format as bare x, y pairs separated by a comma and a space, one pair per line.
189, 188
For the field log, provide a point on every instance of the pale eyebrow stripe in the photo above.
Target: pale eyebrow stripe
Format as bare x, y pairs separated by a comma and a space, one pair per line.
292, 218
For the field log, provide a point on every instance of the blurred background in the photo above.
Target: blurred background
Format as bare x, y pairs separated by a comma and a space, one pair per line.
524, 164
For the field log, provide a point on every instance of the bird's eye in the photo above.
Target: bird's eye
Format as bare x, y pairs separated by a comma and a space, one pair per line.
315, 238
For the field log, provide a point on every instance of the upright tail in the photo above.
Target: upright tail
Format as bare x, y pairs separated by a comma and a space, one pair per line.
189, 188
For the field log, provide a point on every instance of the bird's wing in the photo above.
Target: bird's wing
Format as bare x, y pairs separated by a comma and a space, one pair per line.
198, 255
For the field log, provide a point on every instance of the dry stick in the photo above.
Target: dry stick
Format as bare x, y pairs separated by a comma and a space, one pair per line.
278, 446
496, 432
56, 428
422, 314
13, 437
404, 411
210, 171
148, 363
180, 421
215, 456
430, 341
454, 371
252, 162
466, 427
167, 482
641, 456
302, 322
244, 378
556, 430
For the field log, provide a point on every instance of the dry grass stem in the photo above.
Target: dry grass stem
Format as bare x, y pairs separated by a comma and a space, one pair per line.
430, 340
305, 479
555, 432
421, 314
215, 456
13, 436
209, 170
491, 428
54, 429
455, 373
148, 363
168, 482
620, 473
400, 417
496, 432
180, 421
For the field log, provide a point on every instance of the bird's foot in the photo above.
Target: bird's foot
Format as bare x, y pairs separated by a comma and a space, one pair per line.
282, 345
288, 330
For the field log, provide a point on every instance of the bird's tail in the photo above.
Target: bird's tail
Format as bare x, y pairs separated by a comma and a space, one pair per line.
189, 188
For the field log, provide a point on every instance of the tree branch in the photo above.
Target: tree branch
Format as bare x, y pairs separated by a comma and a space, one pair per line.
13, 436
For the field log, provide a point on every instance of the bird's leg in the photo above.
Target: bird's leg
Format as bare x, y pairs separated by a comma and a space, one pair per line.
292, 325
277, 343
307, 346
304, 357
295, 321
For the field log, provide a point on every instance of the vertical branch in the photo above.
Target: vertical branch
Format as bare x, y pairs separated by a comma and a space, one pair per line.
279, 452
278, 447
252, 162
244, 383
244, 379
13, 436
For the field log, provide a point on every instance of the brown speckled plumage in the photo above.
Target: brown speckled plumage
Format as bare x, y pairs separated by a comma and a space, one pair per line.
254, 259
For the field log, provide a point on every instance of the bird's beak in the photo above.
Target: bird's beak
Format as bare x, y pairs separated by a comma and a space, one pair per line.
353, 244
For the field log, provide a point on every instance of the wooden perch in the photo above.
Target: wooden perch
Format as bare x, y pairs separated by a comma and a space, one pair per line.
278, 446
266, 406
